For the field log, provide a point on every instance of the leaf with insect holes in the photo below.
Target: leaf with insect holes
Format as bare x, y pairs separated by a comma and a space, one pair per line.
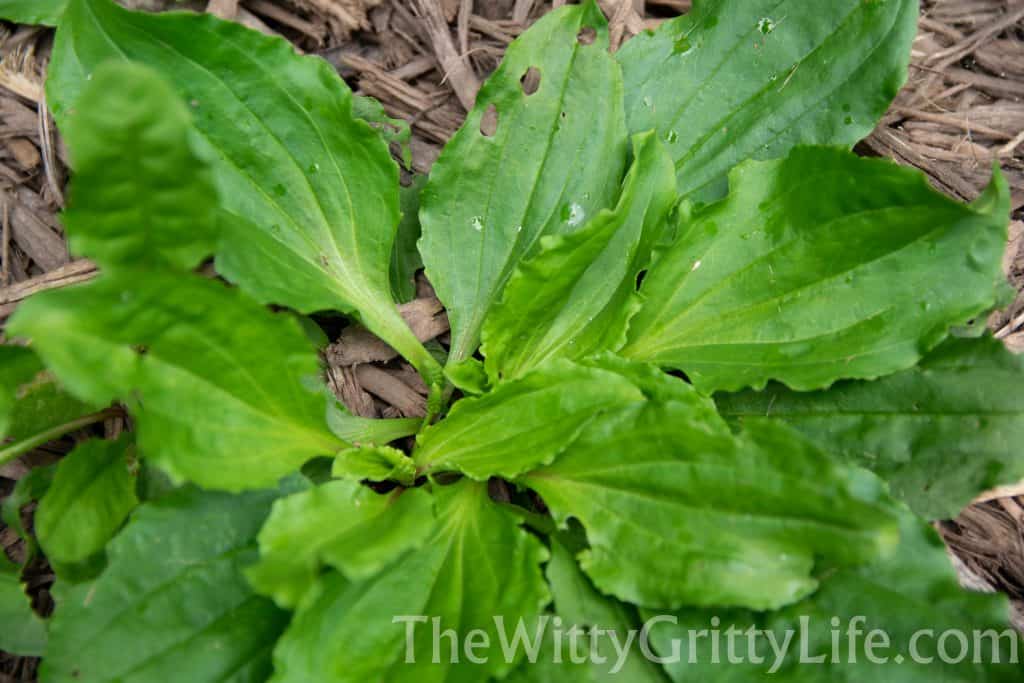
91, 496
475, 565
216, 382
155, 205
573, 298
340, 525
522, 423
24, 632
172, 604
679, 511
313, 188
750, 79
554, 157
46, 12
939, 433
909, 601
819, 267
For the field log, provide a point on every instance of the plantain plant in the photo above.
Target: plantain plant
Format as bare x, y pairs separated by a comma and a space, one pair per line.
693, 336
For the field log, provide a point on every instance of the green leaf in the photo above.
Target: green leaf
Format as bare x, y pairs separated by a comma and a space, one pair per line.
579, 605
91, 496
24, 632
750, 79
341, 525
469, 376
570, 300
29, 488
364, 430
46, 12
140, 194
522, 423
475, 565
31, 399
314, 188
679, 511
819, 267
375, 463
914, 592
405, 258
940, 433
173, 603
554, 158
395, 131
215, 381
18, 367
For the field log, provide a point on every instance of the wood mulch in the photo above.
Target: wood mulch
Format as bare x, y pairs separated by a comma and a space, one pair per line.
961, 110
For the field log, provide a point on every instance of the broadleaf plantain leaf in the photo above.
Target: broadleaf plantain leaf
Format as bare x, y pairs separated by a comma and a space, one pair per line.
572, 299
313, 188
341, 525
24, 632
217, 383
156, 205
939, 433
913, 598
819, 267
46, 12
750, 79
175, 592
679, 511
474, 566
522, 423
555, 157
91, 496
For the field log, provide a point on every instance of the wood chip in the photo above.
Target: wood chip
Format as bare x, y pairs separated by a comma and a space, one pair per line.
392, 390
426, 318
63, 276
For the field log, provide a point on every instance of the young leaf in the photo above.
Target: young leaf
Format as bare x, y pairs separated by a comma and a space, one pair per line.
570, 300
23, 632
365, 430
476, 565
940, 433
375, 463
215, 381
46, 12
341, 525
554, 157
679, 511
750, 79
913, 598
91, 496
173, 603
405, 258
140, 194
314, 189
819, 267
523, 423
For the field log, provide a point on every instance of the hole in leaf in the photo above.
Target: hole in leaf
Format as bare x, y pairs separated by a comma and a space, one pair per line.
586, 36
489, 121
530, 81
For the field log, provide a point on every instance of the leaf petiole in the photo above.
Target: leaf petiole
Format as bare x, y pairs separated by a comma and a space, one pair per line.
27, 444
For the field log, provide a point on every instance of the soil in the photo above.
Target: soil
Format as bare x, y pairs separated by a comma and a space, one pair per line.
961, 110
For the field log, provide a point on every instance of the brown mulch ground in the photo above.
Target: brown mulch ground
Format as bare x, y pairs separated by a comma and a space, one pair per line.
962, 109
